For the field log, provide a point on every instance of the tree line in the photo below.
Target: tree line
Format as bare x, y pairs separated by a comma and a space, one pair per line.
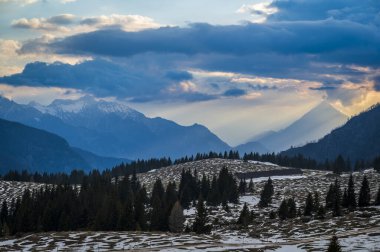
338, 166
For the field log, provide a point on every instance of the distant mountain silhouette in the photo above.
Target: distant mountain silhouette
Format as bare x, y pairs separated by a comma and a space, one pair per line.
358, 139
99, 162
310, 127
113, 129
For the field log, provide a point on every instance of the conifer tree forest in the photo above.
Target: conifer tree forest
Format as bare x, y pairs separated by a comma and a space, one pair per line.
101, 202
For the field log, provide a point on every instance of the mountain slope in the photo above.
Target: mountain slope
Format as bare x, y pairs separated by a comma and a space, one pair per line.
24, 147
124, 132
310, 127
99, 162
359, 138
113, 129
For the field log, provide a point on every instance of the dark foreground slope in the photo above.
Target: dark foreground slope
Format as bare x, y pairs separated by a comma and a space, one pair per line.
24, 147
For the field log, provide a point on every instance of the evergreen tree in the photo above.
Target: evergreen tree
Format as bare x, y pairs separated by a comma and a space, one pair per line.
176, 218
130, 223
339, 165
140, 213
242, 186
213, 198
266, 194
345, 199
283, 210
351, 197
4, 212
200, 225
205, 187
227, 185
330, 197
364, 194
321, 212
337, 211
158, 213
251, 186
171, 196
245, 216
309, 208
334, 245
334, 198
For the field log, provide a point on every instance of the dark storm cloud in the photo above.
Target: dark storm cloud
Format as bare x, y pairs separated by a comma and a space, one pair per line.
332, 40
100, 77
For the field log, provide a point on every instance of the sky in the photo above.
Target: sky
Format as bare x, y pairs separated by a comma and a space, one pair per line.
238, 67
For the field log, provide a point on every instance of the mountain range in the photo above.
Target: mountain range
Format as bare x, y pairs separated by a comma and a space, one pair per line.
110, 128
358, 139
312, 126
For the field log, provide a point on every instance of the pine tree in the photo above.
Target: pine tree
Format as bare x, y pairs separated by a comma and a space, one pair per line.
330, 197
4, 212
334, 198
339, 165
130, 223
345, 198
205, 187
176, 218
242, 186
309, 205
364, 194
213, 198
227, 185
171, 196
283, 210
158, 213
140, 213
200, 225
266, 194
351, 197
337, 211
334, 245
245, 216
251, 186
321, 212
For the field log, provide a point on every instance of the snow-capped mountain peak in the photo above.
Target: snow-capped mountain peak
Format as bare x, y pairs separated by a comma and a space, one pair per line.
86, 104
